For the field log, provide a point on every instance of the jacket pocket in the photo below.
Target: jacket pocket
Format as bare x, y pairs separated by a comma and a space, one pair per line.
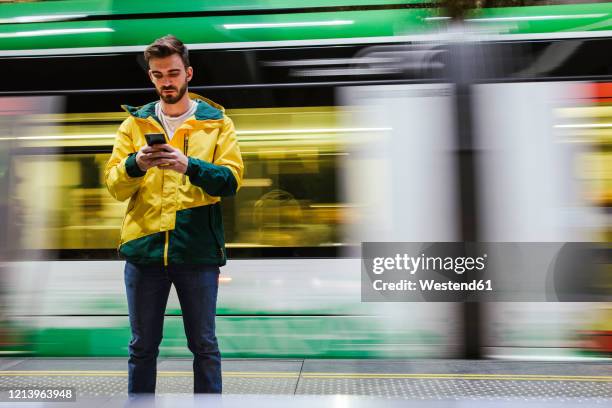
203, 144
216, 227
193, 239
130, 207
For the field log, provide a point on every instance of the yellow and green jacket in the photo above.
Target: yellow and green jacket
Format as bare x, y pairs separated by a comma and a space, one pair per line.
173, 218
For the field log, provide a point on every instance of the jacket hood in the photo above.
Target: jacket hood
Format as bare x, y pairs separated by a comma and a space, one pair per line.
205, 110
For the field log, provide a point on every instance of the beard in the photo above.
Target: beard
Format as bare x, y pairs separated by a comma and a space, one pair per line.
169, 98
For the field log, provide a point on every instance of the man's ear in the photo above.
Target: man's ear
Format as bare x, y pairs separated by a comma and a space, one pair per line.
189, 73
150, 75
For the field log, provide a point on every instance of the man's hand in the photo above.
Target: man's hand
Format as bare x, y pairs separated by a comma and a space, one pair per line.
143, 157
163, 156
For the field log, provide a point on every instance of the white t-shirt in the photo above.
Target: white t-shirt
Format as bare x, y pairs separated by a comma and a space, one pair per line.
171, 123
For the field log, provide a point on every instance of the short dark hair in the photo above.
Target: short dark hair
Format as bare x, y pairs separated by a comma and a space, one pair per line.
166, 46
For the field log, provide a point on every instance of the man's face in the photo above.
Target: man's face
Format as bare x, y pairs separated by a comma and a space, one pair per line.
170, 77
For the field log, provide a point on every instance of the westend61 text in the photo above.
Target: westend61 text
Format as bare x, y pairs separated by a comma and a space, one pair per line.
427, 284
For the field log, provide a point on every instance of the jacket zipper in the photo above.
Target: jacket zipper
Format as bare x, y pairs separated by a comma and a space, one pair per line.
167, 240
166, 248
185, 150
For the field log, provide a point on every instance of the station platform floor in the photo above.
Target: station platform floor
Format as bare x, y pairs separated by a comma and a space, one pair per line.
102, 382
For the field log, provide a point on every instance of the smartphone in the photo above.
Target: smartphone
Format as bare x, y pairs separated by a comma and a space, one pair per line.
155, 138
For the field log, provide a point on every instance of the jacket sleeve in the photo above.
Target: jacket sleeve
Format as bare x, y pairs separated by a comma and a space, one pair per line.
222, 177
122, 175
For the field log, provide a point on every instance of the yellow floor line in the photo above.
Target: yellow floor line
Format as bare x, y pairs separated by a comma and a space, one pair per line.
264, 374
455, 375
99, 373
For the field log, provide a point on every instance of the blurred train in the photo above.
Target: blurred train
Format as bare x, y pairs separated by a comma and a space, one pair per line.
315, 89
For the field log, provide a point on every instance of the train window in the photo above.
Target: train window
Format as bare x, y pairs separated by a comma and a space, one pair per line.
289, 195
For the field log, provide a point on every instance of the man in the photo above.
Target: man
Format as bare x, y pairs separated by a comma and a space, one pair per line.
172, 232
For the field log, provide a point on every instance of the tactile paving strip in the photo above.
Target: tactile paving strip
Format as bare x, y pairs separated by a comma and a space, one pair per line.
444, 389
94, 386
250, 385
97, 386
406, 388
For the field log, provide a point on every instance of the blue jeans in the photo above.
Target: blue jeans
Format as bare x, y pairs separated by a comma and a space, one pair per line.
147, 288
